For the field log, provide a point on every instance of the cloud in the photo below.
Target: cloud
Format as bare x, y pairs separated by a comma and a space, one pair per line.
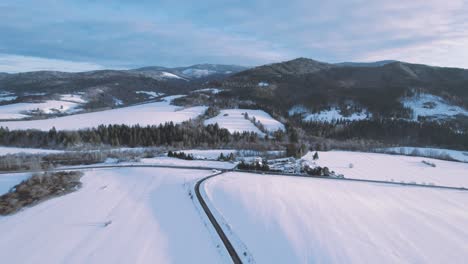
15, 63
172, 33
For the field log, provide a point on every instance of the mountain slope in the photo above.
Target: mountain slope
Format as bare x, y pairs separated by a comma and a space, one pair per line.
319, 85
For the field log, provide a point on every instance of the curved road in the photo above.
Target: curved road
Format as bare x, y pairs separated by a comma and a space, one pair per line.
227, 244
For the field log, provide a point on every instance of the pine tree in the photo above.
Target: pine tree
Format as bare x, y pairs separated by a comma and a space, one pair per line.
316, 156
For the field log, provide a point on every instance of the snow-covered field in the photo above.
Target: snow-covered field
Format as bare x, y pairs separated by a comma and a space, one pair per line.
428, 105
300, 220
144, 114
12, 150
428, 152
234, 120
398, 168
23, 110
153, 220
167, 161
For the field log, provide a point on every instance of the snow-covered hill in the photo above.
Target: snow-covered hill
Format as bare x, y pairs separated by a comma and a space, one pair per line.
235, 120
431, 106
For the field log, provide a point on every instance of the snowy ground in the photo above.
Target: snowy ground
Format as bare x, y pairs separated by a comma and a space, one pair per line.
234, 121
7, 96
153, 221
144, 114
208, 90
23, 110
280, 219
150, 94
12, 150
428, 105
327, 115
428, 152
398, 168
334, 114
73, 98
188, 163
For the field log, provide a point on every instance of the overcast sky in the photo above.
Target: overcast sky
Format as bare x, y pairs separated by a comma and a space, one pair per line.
77, 35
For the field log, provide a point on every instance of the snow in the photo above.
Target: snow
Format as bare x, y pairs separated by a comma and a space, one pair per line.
208, 90
298, 109
197, 73
7, 96
22, 110
428, 105
76, 98
12, 150
167, 161
125, 215
170, 75
144, 114
234, 121
386, 167
263, 84
117, 102
8, 181
428, 152
334, 114
305, 220
150, 94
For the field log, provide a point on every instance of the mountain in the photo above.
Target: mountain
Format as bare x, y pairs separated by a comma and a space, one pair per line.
317, 85
197, 71
299, 66
365, 64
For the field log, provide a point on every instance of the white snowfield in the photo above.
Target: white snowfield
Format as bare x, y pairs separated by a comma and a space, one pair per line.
428, 105
167, 161
77, 98
454, 154
385, 167
21, 110
150, 94
234, 121
208, 90
125, 215
170, 75
302, 220
13, 150
7, 96
144, 114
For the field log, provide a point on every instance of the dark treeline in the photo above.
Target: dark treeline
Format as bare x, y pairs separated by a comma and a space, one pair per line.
391, 132
181, 135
